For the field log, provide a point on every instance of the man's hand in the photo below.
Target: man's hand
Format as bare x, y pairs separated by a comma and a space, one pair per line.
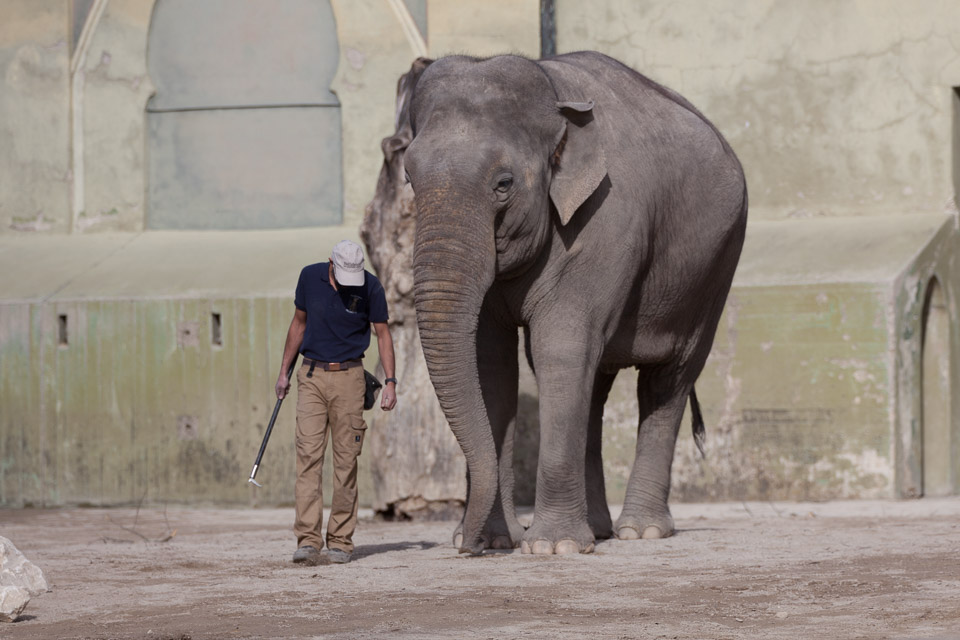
290, 348
283, 385
388, 399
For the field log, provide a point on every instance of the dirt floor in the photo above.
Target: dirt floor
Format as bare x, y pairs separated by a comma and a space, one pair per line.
747, 570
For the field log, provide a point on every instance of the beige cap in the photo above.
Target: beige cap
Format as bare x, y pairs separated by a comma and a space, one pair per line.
348, 263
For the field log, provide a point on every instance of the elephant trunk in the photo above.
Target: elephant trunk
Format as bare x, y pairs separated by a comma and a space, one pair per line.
453, 268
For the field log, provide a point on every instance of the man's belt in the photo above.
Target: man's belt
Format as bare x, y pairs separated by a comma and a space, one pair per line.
331, 366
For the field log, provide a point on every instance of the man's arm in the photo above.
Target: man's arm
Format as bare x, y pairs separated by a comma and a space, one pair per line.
388, 399
290, 349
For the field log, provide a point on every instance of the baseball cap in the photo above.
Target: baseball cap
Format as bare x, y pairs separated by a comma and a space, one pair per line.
348, 263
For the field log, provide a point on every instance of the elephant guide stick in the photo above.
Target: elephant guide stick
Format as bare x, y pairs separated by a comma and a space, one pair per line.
266, 436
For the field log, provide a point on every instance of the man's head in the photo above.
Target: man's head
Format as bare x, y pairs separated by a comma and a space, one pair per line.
347, 259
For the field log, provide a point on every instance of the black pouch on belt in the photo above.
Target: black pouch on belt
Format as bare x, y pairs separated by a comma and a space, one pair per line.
370, 390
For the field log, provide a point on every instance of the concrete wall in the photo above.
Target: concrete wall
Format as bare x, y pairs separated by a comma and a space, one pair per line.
112, 387
835, 107
34, 116
839, 109
374, 51
85, 135
379, 40
112, 88
815, 387
243, 131
484, 28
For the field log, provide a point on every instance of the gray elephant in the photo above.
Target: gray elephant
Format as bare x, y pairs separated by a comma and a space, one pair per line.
603, 213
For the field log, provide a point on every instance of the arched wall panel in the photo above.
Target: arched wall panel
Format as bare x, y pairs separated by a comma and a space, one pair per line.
243, 132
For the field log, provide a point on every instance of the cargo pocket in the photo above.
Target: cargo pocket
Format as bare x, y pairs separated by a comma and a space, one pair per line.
358, 432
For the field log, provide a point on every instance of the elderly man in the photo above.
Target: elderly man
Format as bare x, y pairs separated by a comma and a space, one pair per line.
336, 302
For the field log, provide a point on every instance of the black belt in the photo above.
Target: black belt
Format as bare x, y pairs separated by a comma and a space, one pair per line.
331, 366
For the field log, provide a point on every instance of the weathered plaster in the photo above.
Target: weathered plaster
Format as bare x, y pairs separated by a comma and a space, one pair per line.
813, 387
375, 52
34, 117
834, 108
484, 28
131, 407
115, 94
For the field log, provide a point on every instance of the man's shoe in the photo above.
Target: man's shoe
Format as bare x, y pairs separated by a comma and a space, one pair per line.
307, 555
338, 556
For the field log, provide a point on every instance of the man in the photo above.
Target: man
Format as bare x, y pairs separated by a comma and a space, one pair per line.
336, 303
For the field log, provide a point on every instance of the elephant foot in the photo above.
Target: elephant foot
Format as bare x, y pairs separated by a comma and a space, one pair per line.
499, 542
558, 540
563, 547
497, 534
630, 527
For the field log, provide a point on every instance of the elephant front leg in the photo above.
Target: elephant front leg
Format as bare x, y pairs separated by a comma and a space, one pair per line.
565, 382
645, 512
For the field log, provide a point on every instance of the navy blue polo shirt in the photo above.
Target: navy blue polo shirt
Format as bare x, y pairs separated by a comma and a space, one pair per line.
338, 322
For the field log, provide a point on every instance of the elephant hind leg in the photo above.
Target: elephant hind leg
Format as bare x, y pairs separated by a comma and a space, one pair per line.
645, 512
598, 512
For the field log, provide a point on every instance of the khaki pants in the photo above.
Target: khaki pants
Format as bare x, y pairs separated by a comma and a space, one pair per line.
328, 402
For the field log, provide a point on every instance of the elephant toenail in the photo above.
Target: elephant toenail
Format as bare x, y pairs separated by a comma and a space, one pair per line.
588, 549
458, 540
567, 547
628, 533
652, 532
525, 547
542, 547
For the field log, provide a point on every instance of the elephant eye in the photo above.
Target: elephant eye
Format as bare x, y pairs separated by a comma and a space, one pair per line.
406, 177
504, 185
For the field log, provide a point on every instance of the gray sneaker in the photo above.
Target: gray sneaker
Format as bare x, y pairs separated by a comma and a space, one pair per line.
338, 556
307, 555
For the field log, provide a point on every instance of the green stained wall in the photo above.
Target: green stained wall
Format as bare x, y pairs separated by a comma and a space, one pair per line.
813, 388
131, 410
140, 402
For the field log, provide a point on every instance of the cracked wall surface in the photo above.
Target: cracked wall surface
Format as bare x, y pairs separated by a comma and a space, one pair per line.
34, 117
116, 90
834, 108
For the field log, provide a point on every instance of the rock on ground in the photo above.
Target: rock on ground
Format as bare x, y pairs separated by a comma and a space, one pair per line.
13, 600
19, 579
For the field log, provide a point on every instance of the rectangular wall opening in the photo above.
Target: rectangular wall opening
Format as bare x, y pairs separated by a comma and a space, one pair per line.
216, 335
63, 338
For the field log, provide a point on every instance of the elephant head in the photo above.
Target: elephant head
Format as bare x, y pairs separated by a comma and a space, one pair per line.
501, 155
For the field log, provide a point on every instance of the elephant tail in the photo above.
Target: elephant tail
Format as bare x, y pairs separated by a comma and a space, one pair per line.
699, 430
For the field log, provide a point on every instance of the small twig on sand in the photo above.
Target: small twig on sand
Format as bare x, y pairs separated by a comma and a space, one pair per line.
747, 509
129, 529
169, 535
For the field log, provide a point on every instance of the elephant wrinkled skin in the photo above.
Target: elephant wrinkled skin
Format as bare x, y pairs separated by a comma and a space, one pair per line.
605, 215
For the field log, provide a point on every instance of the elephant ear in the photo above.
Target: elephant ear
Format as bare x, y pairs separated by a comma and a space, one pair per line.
398, 142
580, 164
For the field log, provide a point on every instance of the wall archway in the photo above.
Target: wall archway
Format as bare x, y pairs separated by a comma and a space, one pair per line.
243, 131
935, 391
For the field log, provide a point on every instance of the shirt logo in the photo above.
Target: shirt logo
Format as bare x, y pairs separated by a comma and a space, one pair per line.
353, 303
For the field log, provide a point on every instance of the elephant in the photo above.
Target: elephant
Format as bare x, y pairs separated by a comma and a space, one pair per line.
602, 213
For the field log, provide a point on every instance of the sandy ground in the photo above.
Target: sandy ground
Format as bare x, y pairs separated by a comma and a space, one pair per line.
747, 570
